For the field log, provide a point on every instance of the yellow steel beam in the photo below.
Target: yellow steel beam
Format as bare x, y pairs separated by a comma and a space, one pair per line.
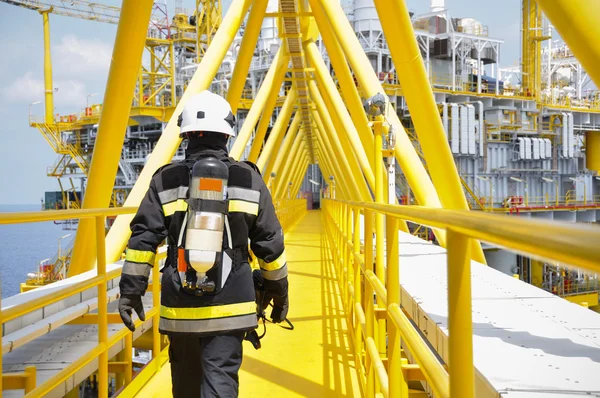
276, 69
404, 48
577, 23
336, 157
292, 177
272, 162
345, 79
297, 182
169, 140
244, 57
267, 110
325, 158
125, 65
287, 163
405, 153
48, 89
296, 171
338, 109
281, 125
340, 146
289, 167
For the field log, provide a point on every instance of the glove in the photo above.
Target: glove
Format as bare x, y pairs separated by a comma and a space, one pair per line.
275, 291
127, 303
280, 309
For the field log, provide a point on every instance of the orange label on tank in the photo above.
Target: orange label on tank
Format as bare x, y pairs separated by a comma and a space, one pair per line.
211, 184
181, 263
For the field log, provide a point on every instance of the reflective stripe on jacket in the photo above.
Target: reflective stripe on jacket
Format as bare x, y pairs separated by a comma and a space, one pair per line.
161, 215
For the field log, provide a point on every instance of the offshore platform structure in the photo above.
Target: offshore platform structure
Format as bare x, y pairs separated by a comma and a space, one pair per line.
519, 136
382, 313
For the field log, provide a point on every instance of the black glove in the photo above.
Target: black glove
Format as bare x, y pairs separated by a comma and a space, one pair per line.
280, 309
275, 291
127, 303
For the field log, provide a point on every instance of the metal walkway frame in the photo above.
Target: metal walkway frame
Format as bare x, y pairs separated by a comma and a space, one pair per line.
330, 129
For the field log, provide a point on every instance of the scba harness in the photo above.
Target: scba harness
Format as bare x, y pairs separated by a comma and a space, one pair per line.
204, 247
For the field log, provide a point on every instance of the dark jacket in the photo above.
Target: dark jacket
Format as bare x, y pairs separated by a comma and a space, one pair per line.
251, 217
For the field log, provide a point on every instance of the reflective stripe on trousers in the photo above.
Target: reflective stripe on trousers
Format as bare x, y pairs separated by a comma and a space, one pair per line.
240, 322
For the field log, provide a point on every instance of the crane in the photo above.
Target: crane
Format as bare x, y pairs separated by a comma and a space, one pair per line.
170, 44
72, 8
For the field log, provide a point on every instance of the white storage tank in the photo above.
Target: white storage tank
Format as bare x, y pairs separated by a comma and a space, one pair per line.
365, 17
268, 30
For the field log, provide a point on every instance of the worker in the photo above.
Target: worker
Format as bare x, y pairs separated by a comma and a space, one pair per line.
208, 296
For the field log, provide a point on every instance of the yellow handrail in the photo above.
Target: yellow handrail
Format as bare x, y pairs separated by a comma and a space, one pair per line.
564, 242
288, 211
104, 343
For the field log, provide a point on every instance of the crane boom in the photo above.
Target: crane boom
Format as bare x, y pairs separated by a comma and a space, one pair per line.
72, 8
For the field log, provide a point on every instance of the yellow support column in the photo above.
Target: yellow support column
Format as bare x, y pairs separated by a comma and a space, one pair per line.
267, 111
294, 177
380, 184
279, 128
48, 89
577, 23
406, 155
283, 170
340, 148
273, 160
345, 80
244, 57
339, 161
341, 175
398, 386
290, 169
460, 319
592, 151
338, 110
276, 70
124, 68
297, 184
169, 141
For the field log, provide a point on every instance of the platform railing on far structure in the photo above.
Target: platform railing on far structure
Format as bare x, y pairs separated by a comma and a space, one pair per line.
364, 272
27, 380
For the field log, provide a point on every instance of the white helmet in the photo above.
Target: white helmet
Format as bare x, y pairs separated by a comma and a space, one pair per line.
206, 112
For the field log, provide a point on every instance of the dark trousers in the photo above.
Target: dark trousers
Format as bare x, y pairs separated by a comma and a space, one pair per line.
206, 366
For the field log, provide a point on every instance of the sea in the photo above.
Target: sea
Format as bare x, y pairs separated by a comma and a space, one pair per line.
23, 246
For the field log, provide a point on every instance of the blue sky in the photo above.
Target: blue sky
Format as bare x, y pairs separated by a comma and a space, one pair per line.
81, 52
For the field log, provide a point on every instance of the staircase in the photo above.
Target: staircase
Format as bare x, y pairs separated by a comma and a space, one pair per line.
69, 151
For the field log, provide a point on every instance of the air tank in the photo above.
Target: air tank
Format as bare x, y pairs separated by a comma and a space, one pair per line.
365, 18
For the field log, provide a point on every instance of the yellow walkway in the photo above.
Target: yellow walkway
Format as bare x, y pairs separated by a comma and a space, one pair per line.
314, 360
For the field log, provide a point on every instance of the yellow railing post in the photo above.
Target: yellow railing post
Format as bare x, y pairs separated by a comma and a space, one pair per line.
369, 306
348, 275
102, 308
379, 224
128, 354
460, 323
398, 386
357, 291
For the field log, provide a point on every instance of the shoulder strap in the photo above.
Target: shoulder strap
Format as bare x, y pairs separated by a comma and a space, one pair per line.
253, 166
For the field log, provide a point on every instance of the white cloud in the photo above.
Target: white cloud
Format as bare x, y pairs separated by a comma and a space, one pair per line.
81, 58
28, 88
24, 89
